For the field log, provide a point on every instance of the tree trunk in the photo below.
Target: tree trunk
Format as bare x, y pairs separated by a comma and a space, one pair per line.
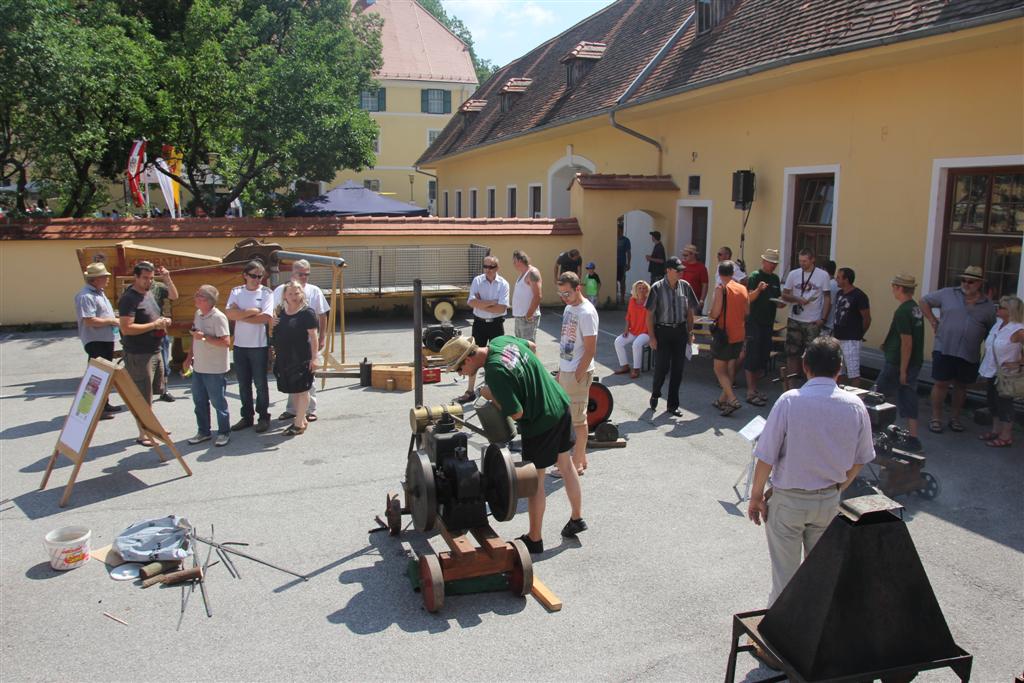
19, 199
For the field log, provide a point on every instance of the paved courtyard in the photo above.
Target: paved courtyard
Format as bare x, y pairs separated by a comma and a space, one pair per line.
648, 591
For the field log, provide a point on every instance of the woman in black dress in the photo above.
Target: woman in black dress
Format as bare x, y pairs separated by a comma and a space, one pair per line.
295, 346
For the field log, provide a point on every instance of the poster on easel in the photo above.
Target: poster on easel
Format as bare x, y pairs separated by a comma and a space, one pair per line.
100, 378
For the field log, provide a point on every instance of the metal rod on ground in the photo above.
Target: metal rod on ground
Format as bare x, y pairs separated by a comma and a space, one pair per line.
250, 557
417, 353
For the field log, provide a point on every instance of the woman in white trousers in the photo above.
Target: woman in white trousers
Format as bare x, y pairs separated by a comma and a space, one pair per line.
635, 335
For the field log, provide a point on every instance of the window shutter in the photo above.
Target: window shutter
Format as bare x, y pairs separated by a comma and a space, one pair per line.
381, 99
447, 101
424, 101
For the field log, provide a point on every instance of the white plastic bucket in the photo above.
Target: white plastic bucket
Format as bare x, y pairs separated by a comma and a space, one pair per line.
68, 547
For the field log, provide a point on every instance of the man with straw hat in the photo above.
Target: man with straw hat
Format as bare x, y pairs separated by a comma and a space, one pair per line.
904, 351
522, 389
967, 315
763, 285
96, 320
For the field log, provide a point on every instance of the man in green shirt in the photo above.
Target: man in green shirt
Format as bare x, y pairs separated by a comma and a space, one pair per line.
764, 285
522, 389
904, 353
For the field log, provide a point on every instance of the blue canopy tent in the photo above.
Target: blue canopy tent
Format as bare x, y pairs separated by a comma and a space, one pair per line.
352, 199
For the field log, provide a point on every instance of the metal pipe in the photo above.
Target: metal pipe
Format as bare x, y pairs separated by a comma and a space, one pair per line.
319, 259
417, 341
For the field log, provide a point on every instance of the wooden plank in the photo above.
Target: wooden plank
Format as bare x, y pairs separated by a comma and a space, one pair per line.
461, 546
618, 443
544, 595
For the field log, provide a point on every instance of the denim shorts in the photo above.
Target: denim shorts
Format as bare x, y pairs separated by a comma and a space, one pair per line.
906, 395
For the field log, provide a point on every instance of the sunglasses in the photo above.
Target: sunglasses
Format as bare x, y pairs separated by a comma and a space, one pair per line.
486, 267
565, 295
256, 276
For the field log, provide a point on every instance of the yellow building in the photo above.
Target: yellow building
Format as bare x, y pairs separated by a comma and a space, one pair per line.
888, 137
427, 74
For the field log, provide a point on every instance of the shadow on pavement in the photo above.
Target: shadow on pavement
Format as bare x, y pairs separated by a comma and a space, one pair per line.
38, 504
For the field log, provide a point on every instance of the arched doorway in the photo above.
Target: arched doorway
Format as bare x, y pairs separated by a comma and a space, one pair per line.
560, 175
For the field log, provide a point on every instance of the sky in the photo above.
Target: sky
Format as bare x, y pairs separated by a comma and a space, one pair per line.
506, 29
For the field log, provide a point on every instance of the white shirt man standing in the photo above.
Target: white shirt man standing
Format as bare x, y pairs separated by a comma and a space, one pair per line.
488, 297
251, 306
577, 347
316, 300
526, 297
807, 288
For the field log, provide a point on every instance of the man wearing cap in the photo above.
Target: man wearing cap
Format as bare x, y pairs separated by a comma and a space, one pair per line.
522, 389
97, 323
904, 353
763, 285
967, 315
140, 320
671, 307
695, 273
623, 261
488, 297
568, 262
656, 259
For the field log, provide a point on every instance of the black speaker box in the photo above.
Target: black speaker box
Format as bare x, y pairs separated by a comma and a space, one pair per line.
743, 187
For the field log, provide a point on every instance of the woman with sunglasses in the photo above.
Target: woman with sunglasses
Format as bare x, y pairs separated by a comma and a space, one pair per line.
1003, 355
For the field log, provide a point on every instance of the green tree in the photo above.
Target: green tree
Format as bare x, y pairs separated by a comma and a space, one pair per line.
78, 85
484, 67
259, 94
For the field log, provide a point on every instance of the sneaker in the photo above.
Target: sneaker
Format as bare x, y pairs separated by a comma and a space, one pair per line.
106, 415
912, 444
286, 416
112, 409
263, 425
244, 423
573, 527
166, 398
534, 547
199, 438
222, 440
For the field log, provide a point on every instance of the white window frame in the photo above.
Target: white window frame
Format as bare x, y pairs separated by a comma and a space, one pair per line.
682, 227
473, 204
435, 97
436, 132
492, 201
508, 201
534, 211
937, 211
369, 96
789, 178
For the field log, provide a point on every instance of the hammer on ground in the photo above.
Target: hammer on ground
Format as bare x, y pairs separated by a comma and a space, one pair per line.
175, 577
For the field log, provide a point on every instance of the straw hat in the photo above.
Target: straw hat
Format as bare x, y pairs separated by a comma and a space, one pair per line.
973, 273
690, 248
770, 255
904, 280
96, 270
456, 350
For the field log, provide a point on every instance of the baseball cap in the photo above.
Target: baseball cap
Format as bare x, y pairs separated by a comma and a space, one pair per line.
674, 263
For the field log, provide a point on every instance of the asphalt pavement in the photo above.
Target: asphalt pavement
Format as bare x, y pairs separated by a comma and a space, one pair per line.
648, 591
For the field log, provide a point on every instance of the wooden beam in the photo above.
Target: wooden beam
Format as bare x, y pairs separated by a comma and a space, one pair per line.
545, 596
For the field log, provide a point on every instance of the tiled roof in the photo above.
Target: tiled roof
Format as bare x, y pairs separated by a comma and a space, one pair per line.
755, 35
615, 181
585, 50
238, 228
417, 47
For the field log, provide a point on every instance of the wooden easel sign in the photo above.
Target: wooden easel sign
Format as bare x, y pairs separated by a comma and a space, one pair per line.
101, 376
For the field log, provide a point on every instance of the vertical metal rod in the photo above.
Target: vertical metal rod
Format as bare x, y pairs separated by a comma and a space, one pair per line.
417, 342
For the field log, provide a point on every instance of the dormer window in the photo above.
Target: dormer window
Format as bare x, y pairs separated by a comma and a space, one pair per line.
710, 13
470, 107
513, 88
581, 60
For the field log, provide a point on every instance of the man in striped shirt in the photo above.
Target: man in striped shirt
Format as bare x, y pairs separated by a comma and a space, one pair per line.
670, 312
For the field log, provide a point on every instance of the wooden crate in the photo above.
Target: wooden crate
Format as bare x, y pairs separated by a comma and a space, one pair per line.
403, 376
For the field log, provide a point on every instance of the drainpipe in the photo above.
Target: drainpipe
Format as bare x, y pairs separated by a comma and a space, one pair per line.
635, 85
429, 175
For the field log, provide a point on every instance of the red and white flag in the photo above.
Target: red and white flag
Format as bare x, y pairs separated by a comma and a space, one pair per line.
136, 160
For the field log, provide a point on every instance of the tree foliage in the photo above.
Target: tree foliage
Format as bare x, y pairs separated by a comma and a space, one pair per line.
484, 67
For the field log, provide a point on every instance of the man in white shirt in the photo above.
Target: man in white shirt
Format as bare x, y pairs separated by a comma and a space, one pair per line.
577, 347
816, 440
251, 307
807, 288
488, 297
526, 297
318, 303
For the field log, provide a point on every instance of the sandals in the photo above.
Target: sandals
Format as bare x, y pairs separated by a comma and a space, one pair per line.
935, 426
756, 400
145, 441
730, 408
999, 443
294, 431
988, 436
622, 371
718, 404
955, 425
634, 374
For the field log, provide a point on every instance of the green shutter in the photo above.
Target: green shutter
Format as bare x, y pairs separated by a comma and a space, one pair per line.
382, 100
447, 101
424, 101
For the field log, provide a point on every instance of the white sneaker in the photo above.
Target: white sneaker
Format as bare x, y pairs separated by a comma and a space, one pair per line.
199, 438
221, 440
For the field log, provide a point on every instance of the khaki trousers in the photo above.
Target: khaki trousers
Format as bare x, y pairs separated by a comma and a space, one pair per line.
796, 520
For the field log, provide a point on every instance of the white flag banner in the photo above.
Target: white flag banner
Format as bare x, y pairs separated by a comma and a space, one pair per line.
166, 186
237, 206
